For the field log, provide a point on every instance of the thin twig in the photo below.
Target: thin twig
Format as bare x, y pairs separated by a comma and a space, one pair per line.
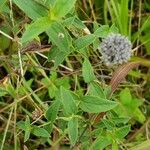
20, 62
6, 129
6, 35
69, 69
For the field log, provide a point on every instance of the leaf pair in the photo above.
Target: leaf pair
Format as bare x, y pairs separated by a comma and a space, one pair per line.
28, 128
43, 20
91, 104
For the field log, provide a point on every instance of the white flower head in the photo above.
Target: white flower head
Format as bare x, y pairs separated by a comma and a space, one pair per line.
115, 49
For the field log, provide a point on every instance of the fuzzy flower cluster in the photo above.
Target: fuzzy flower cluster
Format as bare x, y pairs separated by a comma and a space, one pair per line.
115, 49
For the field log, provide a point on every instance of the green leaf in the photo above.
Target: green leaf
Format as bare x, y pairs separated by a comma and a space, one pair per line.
50, 2
125, 97
40, 132
120, 133
102, 31
79, 24
33, 9
22, 90
33, 30
93, 104
3, 92
21, 125
61, 8
138, 115
53, 53
145, 41
87, 71
64, 81
131, 106
57, 55
120, 120
73, 130
100, 143
60, 58
137, 102
96, 43
84, 41
10, 89
52, 91
52, 111
4, 41
2, 4
69, 21
114, 29
59, 36
146, 25
96, 90
67, 102
74, 22
49, 128
114, 145
27, 129
108, 124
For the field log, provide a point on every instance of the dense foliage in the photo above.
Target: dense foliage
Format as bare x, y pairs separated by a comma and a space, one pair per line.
69, 77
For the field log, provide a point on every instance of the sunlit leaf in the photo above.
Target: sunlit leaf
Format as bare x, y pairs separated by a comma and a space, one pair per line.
27, 129
40, 132
34, 29
95, 104
84, 41
73, 130
33, 9
68, 102
87, 71
62, 7
96, 90
59, 36
52, 111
